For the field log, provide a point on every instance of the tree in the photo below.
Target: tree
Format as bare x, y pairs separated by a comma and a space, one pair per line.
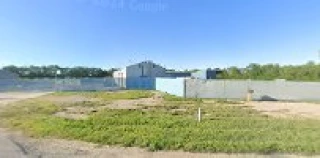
306, 72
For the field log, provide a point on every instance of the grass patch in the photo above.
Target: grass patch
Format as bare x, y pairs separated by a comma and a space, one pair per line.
230, 129
110, 96
225, 101
168, 97
30, 107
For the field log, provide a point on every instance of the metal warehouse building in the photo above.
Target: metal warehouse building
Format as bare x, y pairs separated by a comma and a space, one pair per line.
139, 76
142, 75
143, 69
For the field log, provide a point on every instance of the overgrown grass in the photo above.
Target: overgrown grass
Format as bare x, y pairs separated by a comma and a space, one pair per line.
223, 129
168, 97
110, 96
30, 108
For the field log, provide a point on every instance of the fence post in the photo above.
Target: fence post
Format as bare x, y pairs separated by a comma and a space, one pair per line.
249, 91
185, 88
199, 108
224, 90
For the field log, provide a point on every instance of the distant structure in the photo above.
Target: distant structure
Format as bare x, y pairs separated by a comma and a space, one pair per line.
142, 75
8, 75
175, 74
142, 69
152, 70
205, 74
139, 76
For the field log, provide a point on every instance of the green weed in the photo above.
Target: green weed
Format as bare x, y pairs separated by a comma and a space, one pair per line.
110, 96
230, 129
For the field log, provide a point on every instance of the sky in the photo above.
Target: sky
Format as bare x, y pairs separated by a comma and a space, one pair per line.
180, 34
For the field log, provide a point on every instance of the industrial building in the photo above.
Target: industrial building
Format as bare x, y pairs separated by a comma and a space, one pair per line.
142, 75
139, 76
205, 74
143, 69
152, 70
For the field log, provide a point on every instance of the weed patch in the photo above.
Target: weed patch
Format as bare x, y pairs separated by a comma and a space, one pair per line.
229, 129
110, 96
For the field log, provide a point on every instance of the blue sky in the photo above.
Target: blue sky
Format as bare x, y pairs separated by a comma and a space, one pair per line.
175, 33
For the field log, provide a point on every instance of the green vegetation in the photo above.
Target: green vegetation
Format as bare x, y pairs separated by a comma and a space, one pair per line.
224, 128
306, 72
168, 97
121, 95
110, 96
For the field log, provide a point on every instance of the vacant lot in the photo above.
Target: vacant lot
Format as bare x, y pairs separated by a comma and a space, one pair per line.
160, 122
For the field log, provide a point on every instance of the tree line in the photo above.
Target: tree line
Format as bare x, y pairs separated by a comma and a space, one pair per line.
306, 72
53, 71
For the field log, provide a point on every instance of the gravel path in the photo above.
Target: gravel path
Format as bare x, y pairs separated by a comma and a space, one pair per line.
9, 148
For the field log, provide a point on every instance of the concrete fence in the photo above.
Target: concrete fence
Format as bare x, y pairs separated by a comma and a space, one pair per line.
57, 84
171, 85
190, 88
238, 89
80, 84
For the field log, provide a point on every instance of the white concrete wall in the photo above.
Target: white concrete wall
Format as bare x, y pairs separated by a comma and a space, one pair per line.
263, 90
120, 74
174, 86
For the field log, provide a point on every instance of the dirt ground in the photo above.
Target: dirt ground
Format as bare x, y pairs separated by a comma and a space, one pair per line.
6, 98
56, 148
287, 109
82, 112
